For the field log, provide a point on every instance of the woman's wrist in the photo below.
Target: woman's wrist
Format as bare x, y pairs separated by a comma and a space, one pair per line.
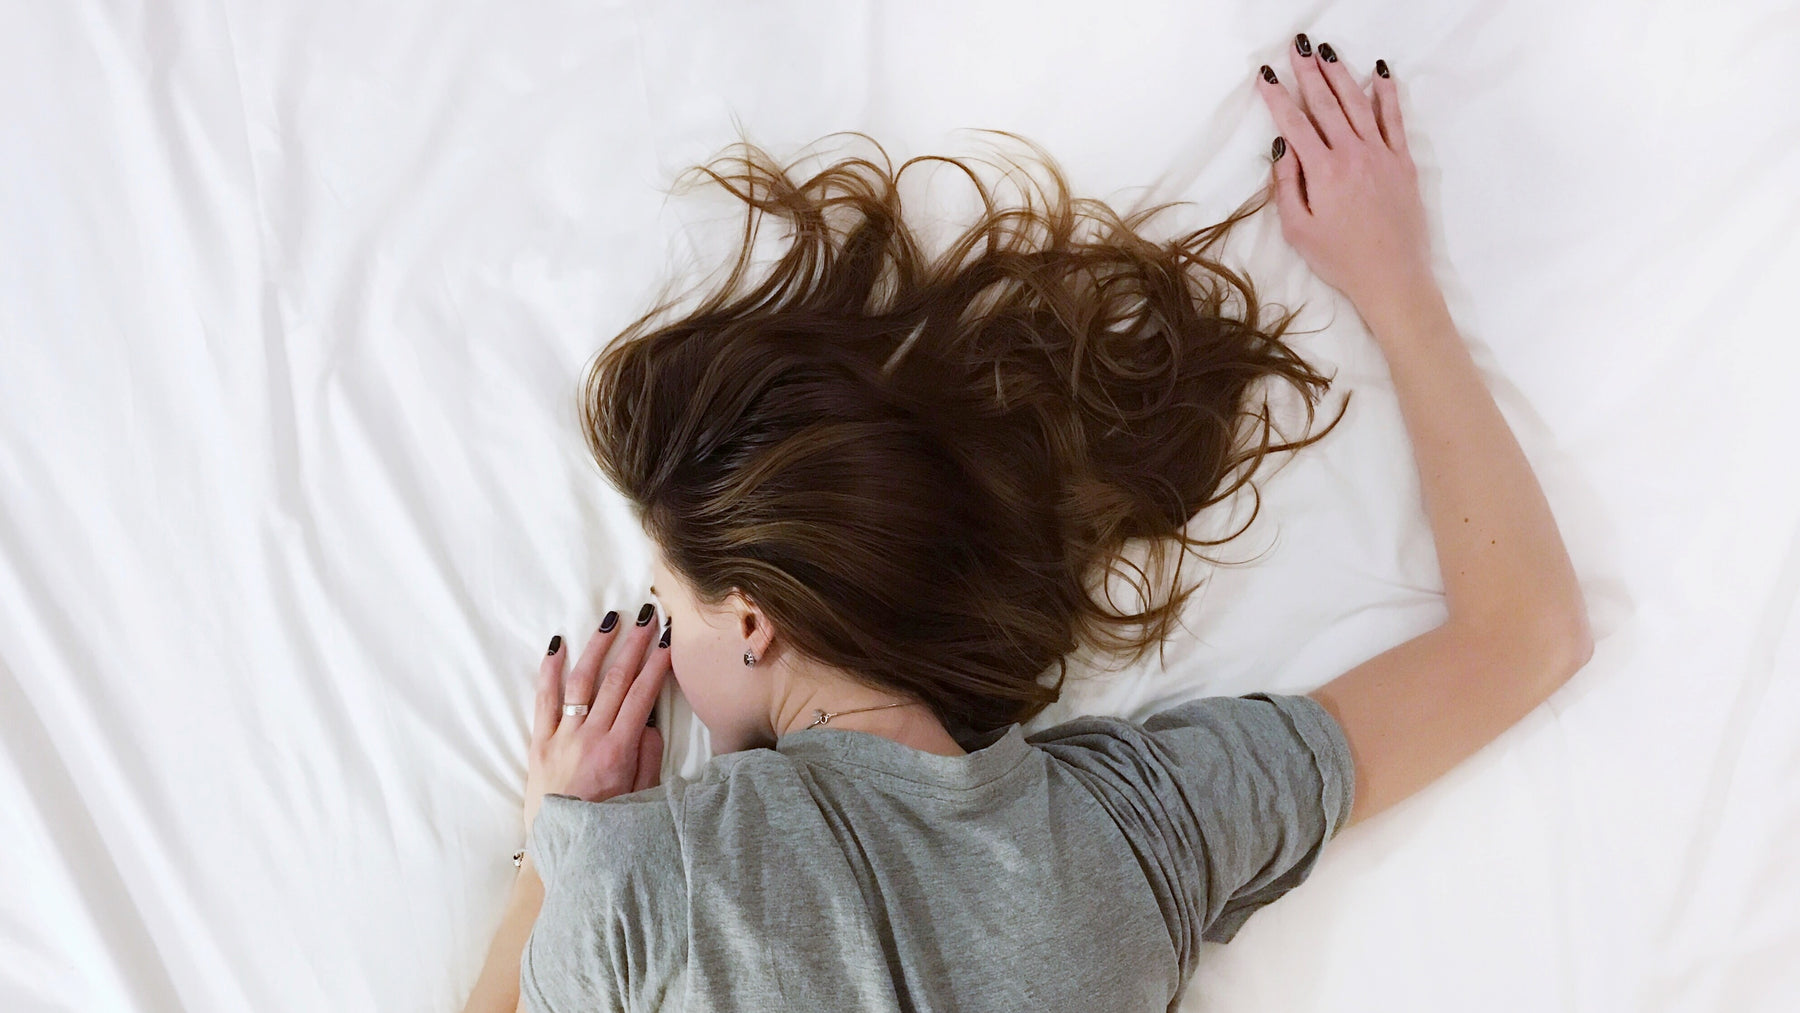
1402, 309
527, 889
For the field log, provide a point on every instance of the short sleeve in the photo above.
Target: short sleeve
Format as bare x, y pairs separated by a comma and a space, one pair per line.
612, 932
1227, 801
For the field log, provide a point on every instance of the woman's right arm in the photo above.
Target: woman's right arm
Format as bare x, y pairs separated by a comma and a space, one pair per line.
1517, 627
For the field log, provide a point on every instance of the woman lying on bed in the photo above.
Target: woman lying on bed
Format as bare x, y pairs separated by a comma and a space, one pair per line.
878, 485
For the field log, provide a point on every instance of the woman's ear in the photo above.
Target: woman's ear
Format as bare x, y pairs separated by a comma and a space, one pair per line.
752, 624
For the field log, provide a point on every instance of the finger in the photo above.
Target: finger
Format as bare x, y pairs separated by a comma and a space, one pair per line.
1387, 109
650, 756
599, 642
622, 672
1290, 121
1290, 201
580, 684
1320, 103
549, 693
640, 700
1350, 96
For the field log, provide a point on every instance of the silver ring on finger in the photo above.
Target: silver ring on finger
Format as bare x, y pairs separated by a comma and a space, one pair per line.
573, 709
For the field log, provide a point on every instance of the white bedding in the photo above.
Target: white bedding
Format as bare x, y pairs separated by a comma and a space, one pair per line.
294, 296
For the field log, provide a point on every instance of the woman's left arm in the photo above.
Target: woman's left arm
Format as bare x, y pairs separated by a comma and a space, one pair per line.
497, 990
605, 751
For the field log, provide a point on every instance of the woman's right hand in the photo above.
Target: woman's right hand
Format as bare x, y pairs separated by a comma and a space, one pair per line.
606, 751
1347, 190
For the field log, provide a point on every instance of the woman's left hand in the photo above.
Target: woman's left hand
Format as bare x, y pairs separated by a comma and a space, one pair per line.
1345, 182
609, 750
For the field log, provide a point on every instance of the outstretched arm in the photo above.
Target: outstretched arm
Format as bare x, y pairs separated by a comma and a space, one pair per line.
1348, 196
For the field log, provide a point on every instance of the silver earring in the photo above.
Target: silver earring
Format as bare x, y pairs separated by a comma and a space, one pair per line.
749, 659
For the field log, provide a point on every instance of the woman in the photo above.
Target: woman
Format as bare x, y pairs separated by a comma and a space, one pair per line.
878, 485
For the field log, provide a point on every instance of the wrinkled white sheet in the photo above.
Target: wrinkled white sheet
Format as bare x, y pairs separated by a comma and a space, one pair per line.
293, 298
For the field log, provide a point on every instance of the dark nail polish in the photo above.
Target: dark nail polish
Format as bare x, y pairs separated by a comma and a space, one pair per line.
645, 613
1326, 53
1302, 45
1381, 67
555, 642
611, 620
1277, 149
664, 642
1268, 74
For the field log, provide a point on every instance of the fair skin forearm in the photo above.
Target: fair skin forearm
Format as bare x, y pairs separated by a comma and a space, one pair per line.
1502, 558
497, 989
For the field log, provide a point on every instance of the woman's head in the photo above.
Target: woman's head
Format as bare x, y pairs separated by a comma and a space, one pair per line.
913, 470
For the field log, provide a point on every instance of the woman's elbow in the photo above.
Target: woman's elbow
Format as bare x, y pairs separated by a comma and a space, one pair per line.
1572, 644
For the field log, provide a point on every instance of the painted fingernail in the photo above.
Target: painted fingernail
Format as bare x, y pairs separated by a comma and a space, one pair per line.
1381, 67
611, 620
664, 642
1302, 45
1268, 74
1325, 51
555, 642
1277, 149
645, 613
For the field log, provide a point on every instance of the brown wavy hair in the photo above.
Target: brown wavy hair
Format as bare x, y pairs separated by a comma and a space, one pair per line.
915, 464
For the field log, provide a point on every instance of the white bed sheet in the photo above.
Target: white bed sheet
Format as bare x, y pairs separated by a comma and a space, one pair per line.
293, 298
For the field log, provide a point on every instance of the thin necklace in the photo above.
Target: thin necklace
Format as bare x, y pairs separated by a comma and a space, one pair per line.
824, 718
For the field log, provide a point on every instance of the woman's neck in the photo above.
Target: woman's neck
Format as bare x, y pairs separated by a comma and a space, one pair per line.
912, 723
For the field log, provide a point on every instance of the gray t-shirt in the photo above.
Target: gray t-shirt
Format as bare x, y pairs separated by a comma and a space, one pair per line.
1078, 867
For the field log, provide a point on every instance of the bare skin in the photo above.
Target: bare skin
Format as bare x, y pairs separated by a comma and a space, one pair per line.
1348, 196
